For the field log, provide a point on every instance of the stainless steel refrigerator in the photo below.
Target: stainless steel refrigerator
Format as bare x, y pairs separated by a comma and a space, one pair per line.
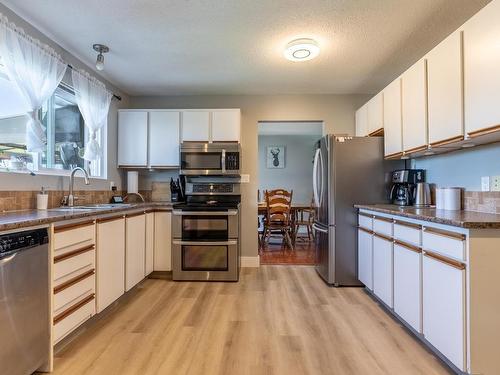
346, 171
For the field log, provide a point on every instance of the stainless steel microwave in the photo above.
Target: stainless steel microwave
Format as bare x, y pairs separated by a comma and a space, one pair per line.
199, 158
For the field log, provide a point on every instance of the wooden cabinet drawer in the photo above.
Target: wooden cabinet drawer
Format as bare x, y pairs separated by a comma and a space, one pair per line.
73, 291
68, 321
407, 232
451, 244
72, 264
382, 225
71, 236
365, 221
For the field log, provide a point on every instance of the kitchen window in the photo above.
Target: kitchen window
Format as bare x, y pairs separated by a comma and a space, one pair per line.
64, 128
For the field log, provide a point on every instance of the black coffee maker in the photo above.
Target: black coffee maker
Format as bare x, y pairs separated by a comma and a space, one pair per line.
403, 185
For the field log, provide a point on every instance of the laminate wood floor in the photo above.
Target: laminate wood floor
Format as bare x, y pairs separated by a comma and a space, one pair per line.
276, 320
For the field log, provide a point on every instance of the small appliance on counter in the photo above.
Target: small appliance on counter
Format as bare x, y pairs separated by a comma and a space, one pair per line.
404, 182
422, 195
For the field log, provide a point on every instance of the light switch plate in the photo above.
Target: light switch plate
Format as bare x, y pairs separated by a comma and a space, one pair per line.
485, 183
245, 178
495, 183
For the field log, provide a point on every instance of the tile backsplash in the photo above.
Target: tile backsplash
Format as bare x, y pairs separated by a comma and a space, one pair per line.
24, 200
482, 201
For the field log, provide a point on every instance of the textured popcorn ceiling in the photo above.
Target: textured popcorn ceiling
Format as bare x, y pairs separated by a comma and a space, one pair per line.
174, 47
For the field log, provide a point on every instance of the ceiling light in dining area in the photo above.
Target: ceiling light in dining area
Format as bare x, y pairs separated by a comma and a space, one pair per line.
303, 49
101, 48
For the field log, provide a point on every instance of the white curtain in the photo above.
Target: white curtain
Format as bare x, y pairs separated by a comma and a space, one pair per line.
93, 101
36, 70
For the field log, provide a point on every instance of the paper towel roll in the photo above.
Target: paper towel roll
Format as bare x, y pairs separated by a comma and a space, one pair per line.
449, 198
440, 199
132, 182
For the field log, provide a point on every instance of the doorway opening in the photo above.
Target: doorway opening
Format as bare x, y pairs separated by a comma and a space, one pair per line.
285, 194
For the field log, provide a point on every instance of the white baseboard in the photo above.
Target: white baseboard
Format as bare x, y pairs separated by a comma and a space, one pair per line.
250, 262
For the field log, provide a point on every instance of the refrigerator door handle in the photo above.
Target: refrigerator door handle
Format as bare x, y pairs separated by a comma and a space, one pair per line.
315, 178
322, 183
315, 227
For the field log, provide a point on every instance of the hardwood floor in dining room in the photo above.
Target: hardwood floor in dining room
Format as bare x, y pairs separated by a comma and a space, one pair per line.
276, 320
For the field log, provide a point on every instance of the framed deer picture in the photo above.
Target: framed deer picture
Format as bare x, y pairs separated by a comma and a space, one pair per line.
275, 157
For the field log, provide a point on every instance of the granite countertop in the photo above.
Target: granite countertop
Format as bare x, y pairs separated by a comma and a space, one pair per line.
463, 219
27, 218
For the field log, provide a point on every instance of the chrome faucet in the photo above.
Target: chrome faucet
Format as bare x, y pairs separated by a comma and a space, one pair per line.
70, 202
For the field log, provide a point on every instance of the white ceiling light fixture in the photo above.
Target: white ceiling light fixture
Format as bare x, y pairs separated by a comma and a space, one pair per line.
101, 48
303, 49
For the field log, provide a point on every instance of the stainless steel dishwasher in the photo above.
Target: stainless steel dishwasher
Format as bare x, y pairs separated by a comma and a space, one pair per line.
24, 301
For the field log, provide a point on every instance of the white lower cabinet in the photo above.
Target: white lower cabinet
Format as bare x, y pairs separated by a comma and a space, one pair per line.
365, 258
407, 284
110, 261
135, 253
162, 241
150, 238
382, 269
444, 308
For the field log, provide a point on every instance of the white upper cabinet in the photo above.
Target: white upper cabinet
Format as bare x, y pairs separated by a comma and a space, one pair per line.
164, 127
362, 121
226, 125
414, 106
445, 91
133, 138
376, 113
392, 118
482, 70
195, 126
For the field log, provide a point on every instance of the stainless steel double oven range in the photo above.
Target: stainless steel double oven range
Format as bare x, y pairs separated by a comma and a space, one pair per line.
206, 228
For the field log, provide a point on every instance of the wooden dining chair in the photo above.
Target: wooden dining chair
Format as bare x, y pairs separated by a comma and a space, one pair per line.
278, 215
304, 218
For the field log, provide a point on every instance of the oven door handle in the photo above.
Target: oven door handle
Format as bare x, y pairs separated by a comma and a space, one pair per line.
204, 243
205, 213
223, 161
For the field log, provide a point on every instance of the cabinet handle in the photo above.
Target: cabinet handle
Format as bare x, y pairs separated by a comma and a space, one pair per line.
135, 214
365, 230
366, 215
406, 224
416, 249
484, 131
74, 253
109, 219
445, 233
416, 149
64, 228
381, 218
73, 308
377, 133
73, 281
382, 236
447, 141
450, 262
396, 155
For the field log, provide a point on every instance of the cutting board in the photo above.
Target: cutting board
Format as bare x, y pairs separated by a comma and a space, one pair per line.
160, 191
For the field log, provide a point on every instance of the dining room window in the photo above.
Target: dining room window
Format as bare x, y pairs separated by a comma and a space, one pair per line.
64, 128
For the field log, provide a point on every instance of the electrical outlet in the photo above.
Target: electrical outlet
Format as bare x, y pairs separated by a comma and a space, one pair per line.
495, 183
111, 185
485, 183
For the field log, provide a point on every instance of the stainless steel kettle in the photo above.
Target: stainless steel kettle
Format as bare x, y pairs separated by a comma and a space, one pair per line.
422, 195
